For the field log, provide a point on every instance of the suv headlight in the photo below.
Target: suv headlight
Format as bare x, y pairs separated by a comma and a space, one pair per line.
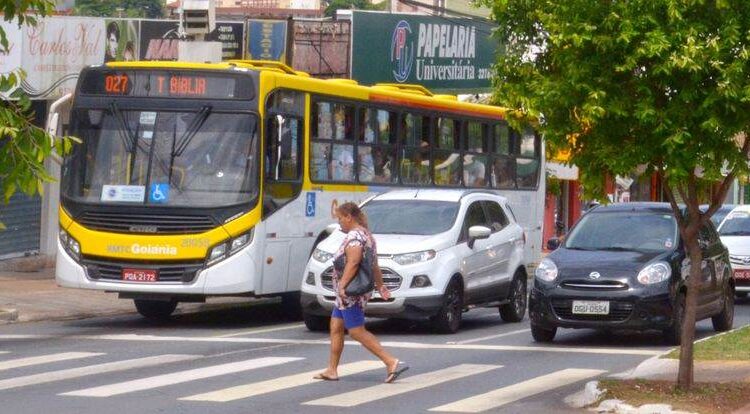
654, 273
546, 271
416, 257
321, 256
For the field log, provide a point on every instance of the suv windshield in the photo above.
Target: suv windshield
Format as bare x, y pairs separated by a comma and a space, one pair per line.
197, 159
736, 224
418, 217
629, 230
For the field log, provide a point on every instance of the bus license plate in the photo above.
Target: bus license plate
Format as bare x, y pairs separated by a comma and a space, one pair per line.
139, 275
589, 307
742, 274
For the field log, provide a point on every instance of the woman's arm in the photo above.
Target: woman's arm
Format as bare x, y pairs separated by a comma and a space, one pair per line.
353, 258
378, 276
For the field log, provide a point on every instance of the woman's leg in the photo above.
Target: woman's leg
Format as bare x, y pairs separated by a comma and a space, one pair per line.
369, 341
337, 347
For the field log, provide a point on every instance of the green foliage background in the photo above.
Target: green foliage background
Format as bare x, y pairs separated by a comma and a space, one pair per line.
23, 146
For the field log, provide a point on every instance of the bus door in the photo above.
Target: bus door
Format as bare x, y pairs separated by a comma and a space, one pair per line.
282, 218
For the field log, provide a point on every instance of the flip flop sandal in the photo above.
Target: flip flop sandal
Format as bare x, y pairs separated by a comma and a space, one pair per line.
400, 369
325, 377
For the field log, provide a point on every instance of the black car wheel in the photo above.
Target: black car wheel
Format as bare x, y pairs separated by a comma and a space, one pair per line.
725, 319
448, 318
673, 334
316, 323
542, 334
515, 310
155, 309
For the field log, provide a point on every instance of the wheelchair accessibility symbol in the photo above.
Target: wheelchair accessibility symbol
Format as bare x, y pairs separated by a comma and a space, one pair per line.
310, 205
159, 193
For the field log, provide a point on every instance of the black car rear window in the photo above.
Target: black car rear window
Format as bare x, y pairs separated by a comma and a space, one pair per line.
624, 230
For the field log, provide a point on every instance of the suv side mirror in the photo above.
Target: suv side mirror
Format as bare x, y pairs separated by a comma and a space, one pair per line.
553, 243
477, 233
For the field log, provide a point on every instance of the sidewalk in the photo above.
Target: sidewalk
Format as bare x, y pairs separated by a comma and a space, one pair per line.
34, 296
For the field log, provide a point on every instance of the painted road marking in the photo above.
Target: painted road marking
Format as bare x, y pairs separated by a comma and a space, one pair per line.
263, 330
408, 384
72, 373
484, 338
393, 344
44, 359
515, 392
179, 377
282, 383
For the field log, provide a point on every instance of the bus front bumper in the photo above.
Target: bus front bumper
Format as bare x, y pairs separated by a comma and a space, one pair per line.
234, 275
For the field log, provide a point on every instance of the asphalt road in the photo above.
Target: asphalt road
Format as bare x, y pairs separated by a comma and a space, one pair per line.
251, 359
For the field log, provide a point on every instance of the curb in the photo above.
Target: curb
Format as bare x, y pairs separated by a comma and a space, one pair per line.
8, 315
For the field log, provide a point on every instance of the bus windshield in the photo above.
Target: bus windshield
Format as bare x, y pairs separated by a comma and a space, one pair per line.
196, 159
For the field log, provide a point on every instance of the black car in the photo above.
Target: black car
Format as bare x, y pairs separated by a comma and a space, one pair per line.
622, 267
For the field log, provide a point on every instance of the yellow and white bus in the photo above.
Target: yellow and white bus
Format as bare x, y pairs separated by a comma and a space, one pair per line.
194, 180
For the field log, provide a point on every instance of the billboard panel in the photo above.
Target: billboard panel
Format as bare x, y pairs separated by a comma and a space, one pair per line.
441, 54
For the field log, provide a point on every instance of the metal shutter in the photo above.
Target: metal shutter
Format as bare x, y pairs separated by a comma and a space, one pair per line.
21, 217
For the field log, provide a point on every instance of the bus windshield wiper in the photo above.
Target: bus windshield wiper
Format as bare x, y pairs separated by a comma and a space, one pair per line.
125, 133
192, 129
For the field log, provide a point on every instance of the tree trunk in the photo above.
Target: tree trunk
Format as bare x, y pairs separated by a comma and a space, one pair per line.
685, 373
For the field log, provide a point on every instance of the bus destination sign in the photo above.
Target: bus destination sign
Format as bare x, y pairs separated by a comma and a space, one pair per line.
157, 84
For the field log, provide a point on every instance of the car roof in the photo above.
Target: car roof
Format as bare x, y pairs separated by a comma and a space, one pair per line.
452, 195
634, 206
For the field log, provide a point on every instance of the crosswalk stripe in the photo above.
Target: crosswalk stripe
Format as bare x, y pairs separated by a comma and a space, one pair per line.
515, 392
408, 384
72, 373
44, 359
278, 384
179, 377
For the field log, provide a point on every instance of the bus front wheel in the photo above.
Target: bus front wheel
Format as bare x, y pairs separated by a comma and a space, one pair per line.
155, 309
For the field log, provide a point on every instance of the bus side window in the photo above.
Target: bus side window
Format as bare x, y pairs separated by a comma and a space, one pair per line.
447, 154
333, 142
503, 168
415, 149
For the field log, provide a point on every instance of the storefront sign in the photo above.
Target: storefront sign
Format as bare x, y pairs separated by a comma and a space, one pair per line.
230, 35
443, 55
55, 50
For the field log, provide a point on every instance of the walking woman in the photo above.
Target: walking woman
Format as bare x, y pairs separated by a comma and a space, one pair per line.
349, 311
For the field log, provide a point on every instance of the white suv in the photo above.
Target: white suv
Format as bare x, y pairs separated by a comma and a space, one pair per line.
441, 252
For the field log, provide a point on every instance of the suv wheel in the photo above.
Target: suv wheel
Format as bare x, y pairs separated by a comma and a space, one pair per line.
515, 310
316, 323
542, 334
725, 319
155, 309
448, 318
673, 334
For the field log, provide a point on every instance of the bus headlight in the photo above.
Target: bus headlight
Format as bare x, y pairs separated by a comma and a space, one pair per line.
71, 245
241, 241
217, 253
228, 247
